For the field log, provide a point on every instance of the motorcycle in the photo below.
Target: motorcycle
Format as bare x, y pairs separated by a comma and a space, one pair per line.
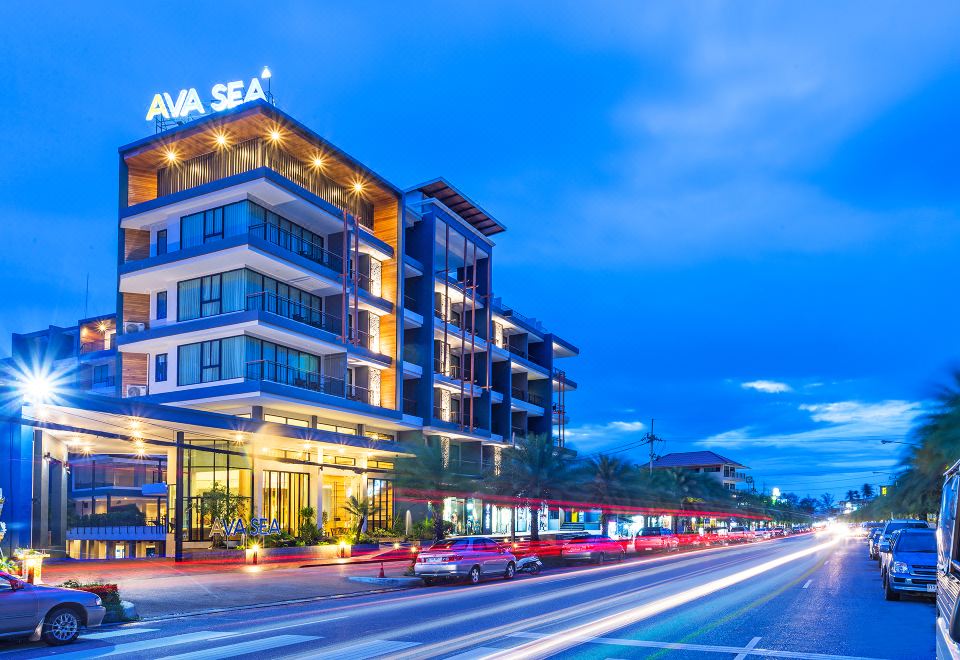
530, 564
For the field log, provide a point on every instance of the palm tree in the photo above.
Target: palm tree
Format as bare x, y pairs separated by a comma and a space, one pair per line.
540, 470
605, 481
853, 495
866, 491
425, 475
826, 503
360, 510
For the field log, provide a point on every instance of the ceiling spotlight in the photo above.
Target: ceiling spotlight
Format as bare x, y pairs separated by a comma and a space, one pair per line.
358, 186
238, 439
274, 135
102, 327
318, 161
220, 138
171, 156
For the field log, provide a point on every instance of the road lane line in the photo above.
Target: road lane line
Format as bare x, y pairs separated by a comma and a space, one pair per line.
361, 651
704, 648
145, 645
826, 562
117, 633
474, 654
807, 584
240, 648
558, 642
750, 646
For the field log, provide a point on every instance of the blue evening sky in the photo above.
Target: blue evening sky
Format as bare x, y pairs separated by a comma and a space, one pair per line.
744, 214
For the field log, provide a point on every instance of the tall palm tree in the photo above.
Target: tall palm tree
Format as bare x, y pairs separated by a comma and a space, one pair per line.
540, 470
605, 481
425, 475
360, 510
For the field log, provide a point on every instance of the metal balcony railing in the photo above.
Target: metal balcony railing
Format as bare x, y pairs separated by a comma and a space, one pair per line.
266, 301
309, 380
452, 416
252, 154
93, 346
298, 245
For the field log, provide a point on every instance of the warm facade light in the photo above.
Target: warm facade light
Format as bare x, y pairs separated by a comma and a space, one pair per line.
102, 327
358, 187
274, 135
318, 161
171, 156
221, 139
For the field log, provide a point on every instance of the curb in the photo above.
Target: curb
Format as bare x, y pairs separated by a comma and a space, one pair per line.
255, 606
390, 581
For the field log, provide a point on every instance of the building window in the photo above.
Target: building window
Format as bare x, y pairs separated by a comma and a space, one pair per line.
208, 361
101, 375
380, 494
284, 494
160, 368
161, 304
161, 242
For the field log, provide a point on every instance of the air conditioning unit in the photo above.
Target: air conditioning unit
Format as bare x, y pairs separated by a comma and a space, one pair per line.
133, 326
136, 390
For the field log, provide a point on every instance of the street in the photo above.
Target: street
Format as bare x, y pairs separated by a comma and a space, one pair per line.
801, 597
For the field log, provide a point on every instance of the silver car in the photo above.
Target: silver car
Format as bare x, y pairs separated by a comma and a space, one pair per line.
58, 614
470, 557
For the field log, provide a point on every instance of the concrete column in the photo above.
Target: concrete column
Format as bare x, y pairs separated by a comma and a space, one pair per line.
179, 511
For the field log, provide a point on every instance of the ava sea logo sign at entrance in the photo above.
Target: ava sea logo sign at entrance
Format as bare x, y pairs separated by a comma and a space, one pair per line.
237, 527
225, 96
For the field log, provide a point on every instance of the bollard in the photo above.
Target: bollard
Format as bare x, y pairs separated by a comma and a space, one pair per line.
381, 571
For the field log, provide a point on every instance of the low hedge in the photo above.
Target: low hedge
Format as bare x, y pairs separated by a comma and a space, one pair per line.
108, 593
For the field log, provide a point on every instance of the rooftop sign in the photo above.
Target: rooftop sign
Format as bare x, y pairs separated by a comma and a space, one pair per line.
187, 102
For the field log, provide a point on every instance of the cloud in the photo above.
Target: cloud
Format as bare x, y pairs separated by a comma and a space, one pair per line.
597, 436
846, 426
768, 386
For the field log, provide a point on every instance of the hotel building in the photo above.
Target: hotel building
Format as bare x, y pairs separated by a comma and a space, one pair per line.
287, 320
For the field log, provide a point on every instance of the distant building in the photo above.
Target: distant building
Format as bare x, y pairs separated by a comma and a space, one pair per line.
724, 470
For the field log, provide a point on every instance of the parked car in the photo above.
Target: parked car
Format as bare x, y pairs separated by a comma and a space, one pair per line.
715, 535
872, 541
909, 563
470, 557
59, 613
763, 533
740, 534
778, 532
894, 525
948, 577
865, 529
597, 548
654, 539
691, 540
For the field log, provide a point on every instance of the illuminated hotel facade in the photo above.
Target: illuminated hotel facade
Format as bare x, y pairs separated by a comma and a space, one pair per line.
287, 320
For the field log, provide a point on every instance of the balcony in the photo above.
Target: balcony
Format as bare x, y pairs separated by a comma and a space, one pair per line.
250, 155
274, 372
264, 301
451, 416
300, 246
94, 346
118, 533
452, 371
409, 407
529, 397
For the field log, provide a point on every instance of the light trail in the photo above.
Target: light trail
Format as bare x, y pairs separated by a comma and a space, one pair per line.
558, 642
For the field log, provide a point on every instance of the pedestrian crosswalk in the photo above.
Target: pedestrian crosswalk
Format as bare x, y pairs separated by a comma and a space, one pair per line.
242, 648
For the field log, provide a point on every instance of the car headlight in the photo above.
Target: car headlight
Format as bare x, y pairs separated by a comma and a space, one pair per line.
97, 601
900, 567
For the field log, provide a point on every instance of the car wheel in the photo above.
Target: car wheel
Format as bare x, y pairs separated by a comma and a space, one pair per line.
474, 576
535, 569
510, 572
621, 556
428, 581
601, 559
61, 626
888, 591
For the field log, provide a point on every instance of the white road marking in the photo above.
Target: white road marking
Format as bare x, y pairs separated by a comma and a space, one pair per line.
240, 648
475, 654
826, 562
361, 651
122, 632
705, 648
807, 584
750, 645
145, 645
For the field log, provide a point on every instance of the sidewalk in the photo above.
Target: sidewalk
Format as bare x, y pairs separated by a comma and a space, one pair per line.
161, 587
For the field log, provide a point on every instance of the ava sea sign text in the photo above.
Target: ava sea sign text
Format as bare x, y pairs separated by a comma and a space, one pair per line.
237, 527
225, 96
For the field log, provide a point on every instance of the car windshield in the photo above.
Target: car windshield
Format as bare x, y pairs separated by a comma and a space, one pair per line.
650, 531
450, 544
894, 526
917, 542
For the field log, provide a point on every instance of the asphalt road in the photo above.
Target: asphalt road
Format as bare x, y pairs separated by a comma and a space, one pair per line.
803, 597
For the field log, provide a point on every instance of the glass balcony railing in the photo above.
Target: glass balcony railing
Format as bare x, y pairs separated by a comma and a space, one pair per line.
308, 380
452, 416
298, 245
270, 302
529, 397
94, 345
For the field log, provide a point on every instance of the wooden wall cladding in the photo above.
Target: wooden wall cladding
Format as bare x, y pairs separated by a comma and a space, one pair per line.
141, 185
136, 244
134, 370
136, 307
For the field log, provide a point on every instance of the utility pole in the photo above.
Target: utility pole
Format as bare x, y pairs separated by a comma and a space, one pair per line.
650, 438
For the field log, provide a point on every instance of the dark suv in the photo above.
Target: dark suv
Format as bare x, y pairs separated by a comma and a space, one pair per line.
910, 564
